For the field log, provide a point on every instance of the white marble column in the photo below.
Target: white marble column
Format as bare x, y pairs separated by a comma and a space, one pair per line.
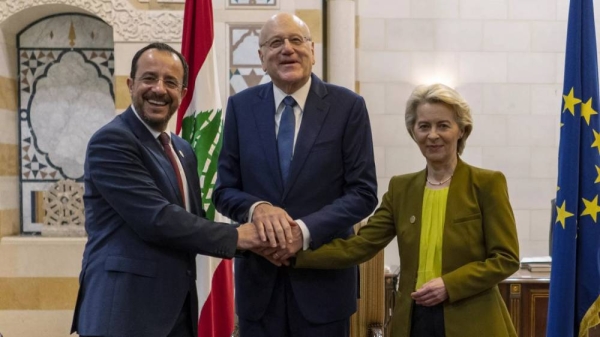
341, 43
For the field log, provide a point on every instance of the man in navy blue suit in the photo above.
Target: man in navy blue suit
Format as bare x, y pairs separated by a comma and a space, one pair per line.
297, 161
144, 217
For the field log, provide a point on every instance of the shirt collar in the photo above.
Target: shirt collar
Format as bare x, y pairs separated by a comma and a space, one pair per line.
154, 133
300, 95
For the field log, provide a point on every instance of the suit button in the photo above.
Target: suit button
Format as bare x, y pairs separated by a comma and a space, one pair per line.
189, 273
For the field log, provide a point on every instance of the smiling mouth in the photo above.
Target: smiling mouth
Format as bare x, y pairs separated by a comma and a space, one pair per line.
155, 102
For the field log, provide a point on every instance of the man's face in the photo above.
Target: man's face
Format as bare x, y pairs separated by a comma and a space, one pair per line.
286, 52
156, 90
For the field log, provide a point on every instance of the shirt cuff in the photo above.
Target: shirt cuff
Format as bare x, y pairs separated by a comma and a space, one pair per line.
251, 211
305, 234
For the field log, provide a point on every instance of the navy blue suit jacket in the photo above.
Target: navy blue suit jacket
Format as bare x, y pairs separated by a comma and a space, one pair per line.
139, 262
331, 186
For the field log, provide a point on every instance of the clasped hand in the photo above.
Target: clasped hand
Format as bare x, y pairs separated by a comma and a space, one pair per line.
282, 233
431, 293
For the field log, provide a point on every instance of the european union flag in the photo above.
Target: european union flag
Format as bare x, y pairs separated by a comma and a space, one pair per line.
575, 278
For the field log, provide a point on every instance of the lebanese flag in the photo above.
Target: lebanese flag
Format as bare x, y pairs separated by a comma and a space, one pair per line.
200, 122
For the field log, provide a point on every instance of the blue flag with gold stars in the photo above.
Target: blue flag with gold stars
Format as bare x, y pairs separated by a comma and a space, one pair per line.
575, 279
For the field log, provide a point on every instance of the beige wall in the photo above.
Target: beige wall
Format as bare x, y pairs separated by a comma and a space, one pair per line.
505, 56
38, 285
9, 189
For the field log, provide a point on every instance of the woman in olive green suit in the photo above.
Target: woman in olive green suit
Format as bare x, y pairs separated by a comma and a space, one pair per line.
456, 231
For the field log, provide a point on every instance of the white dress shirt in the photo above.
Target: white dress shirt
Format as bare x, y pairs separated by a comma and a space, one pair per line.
300, 97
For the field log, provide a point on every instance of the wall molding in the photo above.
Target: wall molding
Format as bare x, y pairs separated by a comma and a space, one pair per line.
129, 24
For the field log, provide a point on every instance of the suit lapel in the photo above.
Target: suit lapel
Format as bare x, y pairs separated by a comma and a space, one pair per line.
411, 212
313, 116
412, 236
458, 193
460, 196
150, 143
264, 116
188, 168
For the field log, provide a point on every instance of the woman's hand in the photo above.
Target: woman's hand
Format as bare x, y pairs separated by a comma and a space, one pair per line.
431, 293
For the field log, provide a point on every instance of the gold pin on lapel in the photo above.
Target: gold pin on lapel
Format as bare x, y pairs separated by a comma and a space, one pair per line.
181, 154
412, 219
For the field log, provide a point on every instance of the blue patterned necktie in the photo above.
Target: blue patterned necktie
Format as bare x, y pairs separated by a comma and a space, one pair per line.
285, 136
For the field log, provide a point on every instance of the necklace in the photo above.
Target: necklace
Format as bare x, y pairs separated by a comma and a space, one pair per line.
440, 183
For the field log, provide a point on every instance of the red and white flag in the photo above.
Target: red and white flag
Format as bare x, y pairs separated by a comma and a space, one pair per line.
200, 122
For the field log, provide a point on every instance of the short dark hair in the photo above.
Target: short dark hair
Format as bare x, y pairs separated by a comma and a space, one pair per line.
163, 47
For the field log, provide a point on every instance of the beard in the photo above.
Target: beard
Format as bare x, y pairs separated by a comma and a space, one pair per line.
153, 120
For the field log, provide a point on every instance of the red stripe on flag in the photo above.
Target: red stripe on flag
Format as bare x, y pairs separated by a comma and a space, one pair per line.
197, 40
216, 314
216, 319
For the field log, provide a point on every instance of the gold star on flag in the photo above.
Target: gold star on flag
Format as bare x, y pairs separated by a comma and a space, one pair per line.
596, 142
587, 111
562, 214
591, 208
570, 102
598, 177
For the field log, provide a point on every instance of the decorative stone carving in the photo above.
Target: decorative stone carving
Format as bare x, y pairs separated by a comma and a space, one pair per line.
252, 3
64, 211
129, 23
75, 61
245, 69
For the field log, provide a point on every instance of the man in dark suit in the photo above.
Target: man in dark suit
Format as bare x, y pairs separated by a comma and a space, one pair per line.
144, 216
297, 161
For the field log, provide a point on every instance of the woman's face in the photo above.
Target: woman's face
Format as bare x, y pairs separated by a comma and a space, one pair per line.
437, 133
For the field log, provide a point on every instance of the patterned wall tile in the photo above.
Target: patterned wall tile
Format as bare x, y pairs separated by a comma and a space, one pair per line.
245, 69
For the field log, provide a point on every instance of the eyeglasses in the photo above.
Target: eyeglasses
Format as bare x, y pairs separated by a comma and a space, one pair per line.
150, 80
278, 42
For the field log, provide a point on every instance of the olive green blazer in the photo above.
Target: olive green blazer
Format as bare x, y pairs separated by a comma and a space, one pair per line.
480, 249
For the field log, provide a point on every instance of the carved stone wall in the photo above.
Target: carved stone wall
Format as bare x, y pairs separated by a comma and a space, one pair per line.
128, 22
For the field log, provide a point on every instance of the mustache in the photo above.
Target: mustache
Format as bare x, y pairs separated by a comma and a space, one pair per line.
156, 97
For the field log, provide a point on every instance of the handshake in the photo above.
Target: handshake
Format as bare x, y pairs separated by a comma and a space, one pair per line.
272, 234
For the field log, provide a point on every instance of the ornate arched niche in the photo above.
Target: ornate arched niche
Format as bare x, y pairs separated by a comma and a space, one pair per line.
65, 88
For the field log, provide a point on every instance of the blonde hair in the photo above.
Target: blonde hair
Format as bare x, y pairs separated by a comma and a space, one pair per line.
440, 93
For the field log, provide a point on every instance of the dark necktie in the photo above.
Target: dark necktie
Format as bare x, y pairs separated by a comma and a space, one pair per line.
285, 136
166, 143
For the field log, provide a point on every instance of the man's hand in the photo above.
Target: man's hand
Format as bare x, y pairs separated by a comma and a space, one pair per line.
267, 253
273, 223
279, 256
431, 293
248, 237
